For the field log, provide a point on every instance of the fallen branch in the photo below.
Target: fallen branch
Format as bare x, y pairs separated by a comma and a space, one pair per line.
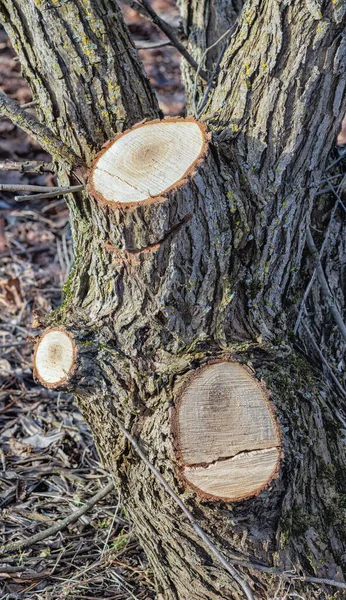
32, 250
27, 166
323, 359
324, 284
50, 531
13, 344
52, 194
336, 161
336, 193
44, 136
312, 279
290, 575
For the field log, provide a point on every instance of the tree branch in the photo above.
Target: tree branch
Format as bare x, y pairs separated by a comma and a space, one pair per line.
52, 194
154, 45
323, 359
324, 284
168, 31
38, 131
27, 105
312, 279
27, 166
198, 109
50, 531
83, 107
18, 187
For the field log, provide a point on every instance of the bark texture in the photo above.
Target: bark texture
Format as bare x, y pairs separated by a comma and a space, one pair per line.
204, 23
82, 67
279, 106
212, 272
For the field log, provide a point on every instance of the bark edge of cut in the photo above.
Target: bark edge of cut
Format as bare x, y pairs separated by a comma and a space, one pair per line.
189, 172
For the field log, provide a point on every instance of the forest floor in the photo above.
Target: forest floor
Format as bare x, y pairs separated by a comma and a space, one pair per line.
48, 462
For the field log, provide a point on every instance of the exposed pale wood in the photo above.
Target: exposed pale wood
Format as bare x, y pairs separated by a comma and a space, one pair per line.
223, 412
148, 160
54, 357
238, 477
227, 437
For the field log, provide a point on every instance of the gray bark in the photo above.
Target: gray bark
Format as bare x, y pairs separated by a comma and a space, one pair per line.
226, 278
204, 23
82, 66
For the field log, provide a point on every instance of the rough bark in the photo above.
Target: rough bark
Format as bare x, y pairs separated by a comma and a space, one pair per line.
204, 22
277, 109
82, 67
210, 273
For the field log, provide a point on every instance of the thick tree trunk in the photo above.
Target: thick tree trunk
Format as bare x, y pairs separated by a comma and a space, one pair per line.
215, 272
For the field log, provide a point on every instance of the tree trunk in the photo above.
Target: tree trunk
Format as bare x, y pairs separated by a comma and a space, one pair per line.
205, 25
208, 270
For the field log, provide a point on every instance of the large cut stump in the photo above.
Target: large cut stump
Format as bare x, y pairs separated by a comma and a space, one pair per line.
146, 162
227, 438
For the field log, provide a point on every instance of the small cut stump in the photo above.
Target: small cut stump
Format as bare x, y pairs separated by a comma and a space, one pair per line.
54, 358
144, 163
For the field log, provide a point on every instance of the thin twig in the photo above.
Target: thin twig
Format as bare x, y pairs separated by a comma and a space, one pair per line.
110, 530
53, 194
324, 284
308, 289
20, 187
336, 162
323, 359
198, 109
168, 31
155, 45
203, 102
29, 104
27, 166
289, 575
13, 344
44, 136
50, 531
31, 250
328, 179
323, 192
336, 193
226, 564
331, 188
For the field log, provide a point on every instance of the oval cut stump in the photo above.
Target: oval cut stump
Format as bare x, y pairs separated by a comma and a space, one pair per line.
54, 358
227, 438
144, 163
